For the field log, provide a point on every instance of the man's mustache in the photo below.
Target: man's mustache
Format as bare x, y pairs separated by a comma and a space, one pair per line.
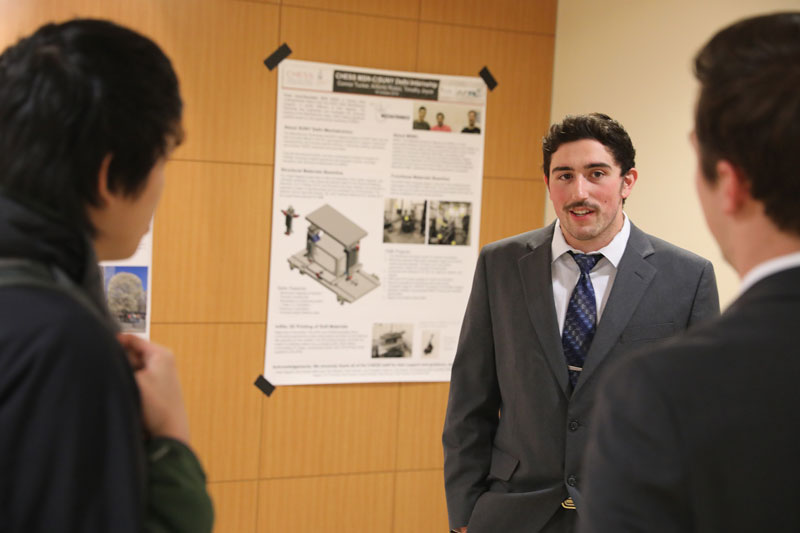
587, 205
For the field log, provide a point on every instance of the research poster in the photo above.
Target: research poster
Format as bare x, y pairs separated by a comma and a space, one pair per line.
127, 288
376, 212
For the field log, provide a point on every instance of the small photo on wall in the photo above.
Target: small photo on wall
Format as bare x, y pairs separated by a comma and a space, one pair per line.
126, 295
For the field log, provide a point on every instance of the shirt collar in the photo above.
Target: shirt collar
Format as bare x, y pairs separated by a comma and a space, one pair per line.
612, 251
769, 267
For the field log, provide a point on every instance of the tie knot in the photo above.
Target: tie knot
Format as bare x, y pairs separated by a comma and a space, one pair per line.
586, 262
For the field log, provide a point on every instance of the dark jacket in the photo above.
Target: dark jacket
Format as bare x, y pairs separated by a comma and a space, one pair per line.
701, 434
72, 448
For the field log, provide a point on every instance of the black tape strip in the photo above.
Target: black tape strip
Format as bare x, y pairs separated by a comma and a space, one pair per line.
488, 78
277, 56
265, 386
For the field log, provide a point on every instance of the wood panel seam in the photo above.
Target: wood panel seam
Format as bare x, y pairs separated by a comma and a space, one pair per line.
397, 442
421, 20
357, 13
208, 323
269, 253
222, 162
338, 474
259, 2
515, 178
488, 28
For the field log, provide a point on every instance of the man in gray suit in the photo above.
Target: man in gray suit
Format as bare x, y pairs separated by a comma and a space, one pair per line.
549, 310
701, 434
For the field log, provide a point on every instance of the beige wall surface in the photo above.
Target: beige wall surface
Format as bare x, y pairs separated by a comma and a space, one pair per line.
632, 59
333, 458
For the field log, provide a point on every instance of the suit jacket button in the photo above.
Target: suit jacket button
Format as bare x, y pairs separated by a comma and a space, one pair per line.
573, 425
572, 481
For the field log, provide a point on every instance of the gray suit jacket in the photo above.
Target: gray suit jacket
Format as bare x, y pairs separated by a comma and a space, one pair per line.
514, 435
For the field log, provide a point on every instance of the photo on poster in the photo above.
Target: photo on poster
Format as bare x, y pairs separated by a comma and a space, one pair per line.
446, 118
404, 221
449, 223
126, 294
431, 343
391, 340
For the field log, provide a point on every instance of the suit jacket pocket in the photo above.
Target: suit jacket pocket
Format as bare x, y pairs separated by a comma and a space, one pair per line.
503, 465
515, 512
649, 332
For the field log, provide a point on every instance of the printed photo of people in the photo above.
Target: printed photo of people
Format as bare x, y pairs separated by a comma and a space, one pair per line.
449, 223
420, 123
446, 118
472, 122
440, 125
404, 221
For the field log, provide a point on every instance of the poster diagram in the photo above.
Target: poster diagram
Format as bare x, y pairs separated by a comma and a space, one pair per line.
331, 255
377, 177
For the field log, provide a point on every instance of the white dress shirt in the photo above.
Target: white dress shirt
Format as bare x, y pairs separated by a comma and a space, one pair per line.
566, 273
768, 268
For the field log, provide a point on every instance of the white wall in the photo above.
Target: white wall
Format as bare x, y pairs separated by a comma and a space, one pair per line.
632, 59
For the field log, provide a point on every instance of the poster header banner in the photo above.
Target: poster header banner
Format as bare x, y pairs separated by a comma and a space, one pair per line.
380, 85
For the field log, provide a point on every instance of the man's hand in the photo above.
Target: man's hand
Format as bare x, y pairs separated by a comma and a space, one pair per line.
163, 410
461, 529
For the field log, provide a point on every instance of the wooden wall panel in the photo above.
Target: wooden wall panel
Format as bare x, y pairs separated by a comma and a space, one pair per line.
420, 502
211, 243
536, 16
350, 39
510, 207
218, 48
518, 109
218, 364
389, 8
421, 418
22, 18
333, 504
235, 506
329, 429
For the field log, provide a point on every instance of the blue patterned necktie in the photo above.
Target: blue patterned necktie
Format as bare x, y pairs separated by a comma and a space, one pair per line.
581, 319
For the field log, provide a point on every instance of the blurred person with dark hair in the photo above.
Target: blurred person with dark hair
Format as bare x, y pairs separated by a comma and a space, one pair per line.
440, 125
421, 123
471, 127
700, 434
94, 430
550, 309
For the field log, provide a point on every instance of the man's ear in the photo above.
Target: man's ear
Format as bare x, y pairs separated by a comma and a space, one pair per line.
546, 181
734, 188
104, 194
628, 181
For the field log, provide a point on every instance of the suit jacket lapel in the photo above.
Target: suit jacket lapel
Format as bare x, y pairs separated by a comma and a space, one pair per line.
634, 274
537, 286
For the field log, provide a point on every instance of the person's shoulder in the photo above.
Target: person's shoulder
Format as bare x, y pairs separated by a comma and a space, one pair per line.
50, 325
666, 250
648, 368
678, 359
520, 243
